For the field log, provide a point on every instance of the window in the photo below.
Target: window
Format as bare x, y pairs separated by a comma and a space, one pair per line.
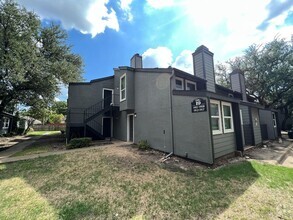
123, 87
190, 86
221, 117
179, 84
227, 117
216, 117
274, 120
5, 122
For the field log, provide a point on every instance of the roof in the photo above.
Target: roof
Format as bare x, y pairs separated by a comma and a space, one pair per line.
252, 104
223, 90
92, 81
6, 114
189, 76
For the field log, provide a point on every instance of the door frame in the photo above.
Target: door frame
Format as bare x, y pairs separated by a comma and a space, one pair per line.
111, 125
128, 127
103, 94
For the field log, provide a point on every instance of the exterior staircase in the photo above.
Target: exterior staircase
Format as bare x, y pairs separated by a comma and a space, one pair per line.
92, 126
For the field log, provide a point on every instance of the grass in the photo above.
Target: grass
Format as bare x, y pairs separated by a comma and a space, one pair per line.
40, 133
119, 183
48, 142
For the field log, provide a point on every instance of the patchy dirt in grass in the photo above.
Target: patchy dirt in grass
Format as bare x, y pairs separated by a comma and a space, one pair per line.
7, 142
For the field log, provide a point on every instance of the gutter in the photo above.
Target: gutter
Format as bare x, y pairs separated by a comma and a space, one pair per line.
171, 111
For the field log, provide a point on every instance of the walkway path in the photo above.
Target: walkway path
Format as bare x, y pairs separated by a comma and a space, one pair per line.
27, 157
18, 146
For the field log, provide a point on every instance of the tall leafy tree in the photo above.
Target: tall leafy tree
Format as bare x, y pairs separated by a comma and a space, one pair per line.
59, 107
34, 60
268, 72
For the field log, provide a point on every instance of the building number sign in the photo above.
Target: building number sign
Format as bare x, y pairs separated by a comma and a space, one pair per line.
198, 105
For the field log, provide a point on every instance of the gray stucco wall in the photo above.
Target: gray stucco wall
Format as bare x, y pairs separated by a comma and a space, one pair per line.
192, 134
152, 108
256, 126
120, 126
224, 144
267, 119
81, 96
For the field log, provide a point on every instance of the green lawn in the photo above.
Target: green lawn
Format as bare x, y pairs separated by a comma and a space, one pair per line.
40, 133
119, 183
50, 141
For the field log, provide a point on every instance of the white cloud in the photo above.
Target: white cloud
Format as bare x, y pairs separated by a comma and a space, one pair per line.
57, 99
157, 4
184, 61
157, 57
226, 27
89, 16
125, 6
162, 57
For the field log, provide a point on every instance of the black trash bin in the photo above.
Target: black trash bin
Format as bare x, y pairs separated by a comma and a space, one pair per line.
290, 134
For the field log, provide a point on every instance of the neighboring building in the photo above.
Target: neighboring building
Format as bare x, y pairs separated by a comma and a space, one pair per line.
6, 123
174, 111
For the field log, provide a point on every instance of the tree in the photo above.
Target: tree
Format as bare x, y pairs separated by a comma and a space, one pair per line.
59, 107
34, 60
268, 72
55, 118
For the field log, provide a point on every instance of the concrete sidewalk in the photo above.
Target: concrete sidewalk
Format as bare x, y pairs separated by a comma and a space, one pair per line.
18, 146
116, 143
274, 153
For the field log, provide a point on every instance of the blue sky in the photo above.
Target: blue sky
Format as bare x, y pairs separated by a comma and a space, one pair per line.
107, 33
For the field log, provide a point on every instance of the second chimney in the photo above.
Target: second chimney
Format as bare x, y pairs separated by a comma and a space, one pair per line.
136, 61
238, 82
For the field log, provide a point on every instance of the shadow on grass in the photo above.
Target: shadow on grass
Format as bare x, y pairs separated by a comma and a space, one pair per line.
86, 186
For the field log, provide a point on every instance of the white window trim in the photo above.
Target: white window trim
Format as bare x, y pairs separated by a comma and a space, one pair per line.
121, 77
128, 127
190, 82
6, 121
219, 117
103, 95
231, 117
180, 79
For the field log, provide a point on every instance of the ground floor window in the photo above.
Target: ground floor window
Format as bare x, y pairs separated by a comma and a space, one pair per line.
216, 117
227, 117
221, 117
5, 123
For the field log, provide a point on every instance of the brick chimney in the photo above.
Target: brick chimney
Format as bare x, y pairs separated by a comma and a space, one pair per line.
238, 82
203, 66
136, 61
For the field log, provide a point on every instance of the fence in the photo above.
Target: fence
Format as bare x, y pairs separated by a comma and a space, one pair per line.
50, 127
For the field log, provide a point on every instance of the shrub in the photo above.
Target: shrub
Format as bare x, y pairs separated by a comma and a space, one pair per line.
143, 145
79, 143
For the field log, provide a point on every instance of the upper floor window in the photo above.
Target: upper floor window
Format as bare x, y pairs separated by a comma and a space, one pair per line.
190, 86
227, 117
179, 84
123, 87
5, 122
